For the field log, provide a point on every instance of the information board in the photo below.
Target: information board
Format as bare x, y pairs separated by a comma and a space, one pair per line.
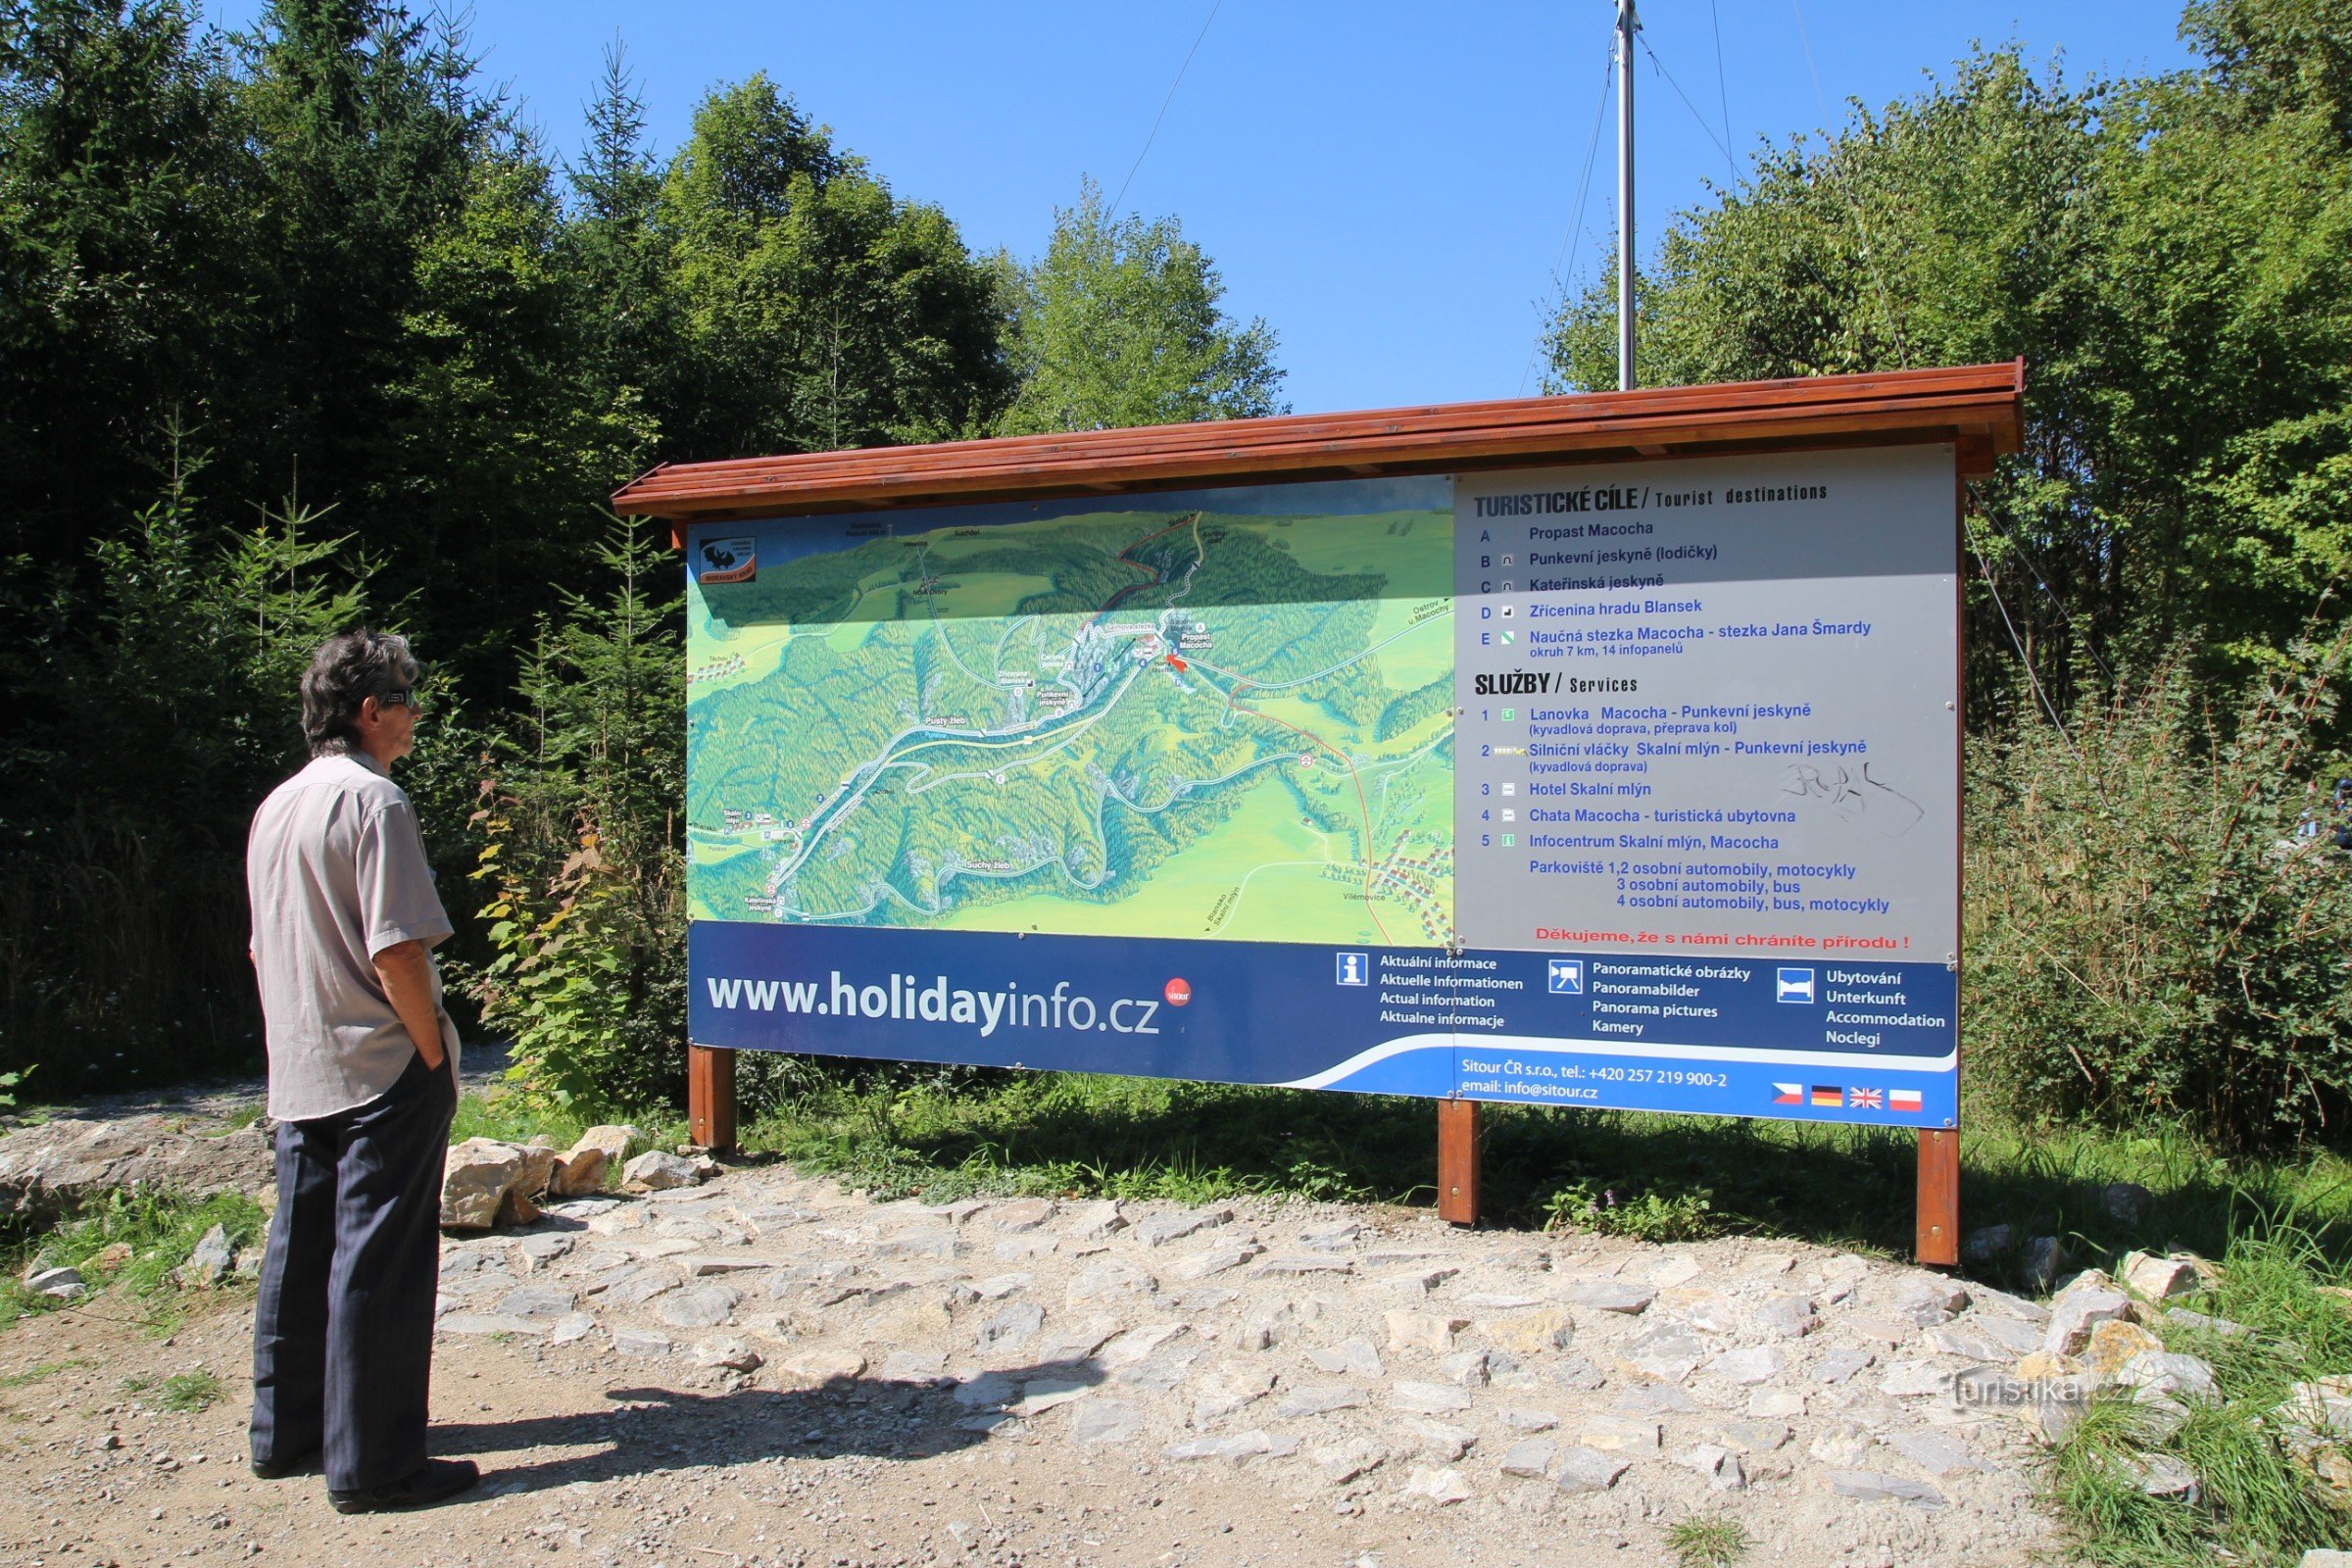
1627, 785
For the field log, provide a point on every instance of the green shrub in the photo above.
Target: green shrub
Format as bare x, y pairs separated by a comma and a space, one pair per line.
1668, 1211
2147, 938
580, 842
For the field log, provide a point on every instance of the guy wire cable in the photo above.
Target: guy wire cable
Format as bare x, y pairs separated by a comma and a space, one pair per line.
1113, 208
1584, 187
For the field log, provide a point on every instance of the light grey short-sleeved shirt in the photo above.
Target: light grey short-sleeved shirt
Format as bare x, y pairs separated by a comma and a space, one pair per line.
335, 867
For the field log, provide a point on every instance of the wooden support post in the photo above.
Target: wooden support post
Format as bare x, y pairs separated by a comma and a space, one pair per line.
711, 1097
1457, 1161
1938, 1239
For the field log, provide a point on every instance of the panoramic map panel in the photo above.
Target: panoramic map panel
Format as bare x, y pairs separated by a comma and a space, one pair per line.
1225, 714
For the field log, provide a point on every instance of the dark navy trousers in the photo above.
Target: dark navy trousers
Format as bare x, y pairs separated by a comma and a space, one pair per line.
343, 1331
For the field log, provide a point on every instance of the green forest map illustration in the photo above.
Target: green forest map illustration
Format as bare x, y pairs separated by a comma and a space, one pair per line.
1165, 721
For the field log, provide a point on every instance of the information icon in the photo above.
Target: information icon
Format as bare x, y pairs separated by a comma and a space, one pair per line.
1356, 969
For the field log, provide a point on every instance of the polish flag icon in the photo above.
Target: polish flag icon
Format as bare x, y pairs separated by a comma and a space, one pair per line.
1177, 992
1903, 1100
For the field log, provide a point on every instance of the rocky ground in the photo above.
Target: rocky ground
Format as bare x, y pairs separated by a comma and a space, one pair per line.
765, 1369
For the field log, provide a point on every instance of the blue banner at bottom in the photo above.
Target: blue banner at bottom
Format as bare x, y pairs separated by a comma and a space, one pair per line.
1709, 1032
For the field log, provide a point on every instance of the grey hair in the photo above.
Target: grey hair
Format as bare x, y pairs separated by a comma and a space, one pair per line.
347, 669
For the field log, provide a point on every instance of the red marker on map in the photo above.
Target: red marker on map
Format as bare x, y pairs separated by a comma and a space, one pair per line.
1174, 662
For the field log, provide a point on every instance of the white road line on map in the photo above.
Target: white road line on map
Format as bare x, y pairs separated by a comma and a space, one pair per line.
1241, 892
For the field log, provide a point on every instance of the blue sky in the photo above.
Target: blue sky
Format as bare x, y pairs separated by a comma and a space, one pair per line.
1390, 185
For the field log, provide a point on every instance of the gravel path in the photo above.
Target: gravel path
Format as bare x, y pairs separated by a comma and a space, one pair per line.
769, 1370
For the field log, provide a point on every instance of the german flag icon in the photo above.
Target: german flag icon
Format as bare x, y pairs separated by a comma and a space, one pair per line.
1830, 1097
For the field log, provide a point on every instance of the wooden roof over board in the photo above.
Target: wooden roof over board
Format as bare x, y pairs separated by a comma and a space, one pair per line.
1979, 408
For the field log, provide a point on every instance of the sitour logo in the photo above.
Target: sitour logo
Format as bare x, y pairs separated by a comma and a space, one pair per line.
1177, 992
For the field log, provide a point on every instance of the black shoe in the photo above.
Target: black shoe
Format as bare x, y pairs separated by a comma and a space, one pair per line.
429, 1483
301, 1464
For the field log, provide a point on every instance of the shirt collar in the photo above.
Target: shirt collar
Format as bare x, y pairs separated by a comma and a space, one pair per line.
365, 760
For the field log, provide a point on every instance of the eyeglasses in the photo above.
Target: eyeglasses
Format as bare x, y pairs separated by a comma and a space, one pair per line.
399, 697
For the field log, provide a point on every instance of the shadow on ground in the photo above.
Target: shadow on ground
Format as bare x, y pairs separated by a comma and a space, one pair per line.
650, 1430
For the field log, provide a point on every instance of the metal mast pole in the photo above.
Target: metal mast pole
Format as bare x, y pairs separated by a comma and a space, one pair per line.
1626, 24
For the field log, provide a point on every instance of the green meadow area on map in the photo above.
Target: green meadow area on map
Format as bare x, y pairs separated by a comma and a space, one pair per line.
1154, 722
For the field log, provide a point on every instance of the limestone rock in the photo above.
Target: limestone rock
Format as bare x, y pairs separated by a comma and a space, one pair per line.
1422, 1331
1925, 1300
1217, 1259
537, 1170
1719, 1464
1586, 1469
1531, 1456
2115, 1341
823, 1365
1093, 1221
1665, 1354
1836, 1367
1842, 1444
1160, 1229
1239, 1447
1101, 1421
210, 1260
2091, 1300
1617, 1435
1355, 1357
578, 1173
535, 1301
1023, 1214
2162, 1474
1320, 1400
1907, 1380
1783, 1317
1343, 1462
1109, 1280
2157, 1278
1873, 1487
614, 1140
733, 1354
1610, 1295
1935, 1454
58, 1284
705, 1307
1757, 1364
1442, 1441
476, 1178
657, 1170
1429, 1398
1221, 1396
2155, 1374
1440, 1487
1530, 1332
1011, 1326
640, 1342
